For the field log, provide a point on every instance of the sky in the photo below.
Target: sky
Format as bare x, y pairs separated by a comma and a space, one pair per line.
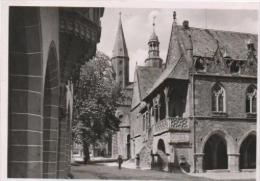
137, 26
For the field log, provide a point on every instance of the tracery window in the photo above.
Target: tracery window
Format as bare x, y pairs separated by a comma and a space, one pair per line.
218, 98
251, 99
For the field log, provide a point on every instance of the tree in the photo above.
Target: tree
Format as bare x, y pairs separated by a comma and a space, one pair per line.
95, 102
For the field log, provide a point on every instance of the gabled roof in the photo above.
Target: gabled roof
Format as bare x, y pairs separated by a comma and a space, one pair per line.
204, 43
120, 49
144, 78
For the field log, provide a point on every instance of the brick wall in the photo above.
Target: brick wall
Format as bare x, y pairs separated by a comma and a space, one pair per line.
235, 89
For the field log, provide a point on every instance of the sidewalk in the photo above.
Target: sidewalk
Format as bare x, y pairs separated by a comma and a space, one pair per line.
211, 175
126, 164
226, 175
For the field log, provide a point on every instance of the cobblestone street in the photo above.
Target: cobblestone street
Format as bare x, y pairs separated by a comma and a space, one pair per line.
99, 171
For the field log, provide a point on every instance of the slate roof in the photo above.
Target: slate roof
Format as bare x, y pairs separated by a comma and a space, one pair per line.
204, 43
235, 43
120, 48
147, 77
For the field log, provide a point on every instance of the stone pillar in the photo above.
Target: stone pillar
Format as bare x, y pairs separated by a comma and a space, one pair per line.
62, 155
171, 159
233, 162
198, 162
25, 93
155, 156
166, 90
168, 168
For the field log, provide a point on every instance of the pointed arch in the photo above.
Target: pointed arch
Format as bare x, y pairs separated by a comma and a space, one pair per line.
251, 99
50, 113
247, 151
215, 153
218, 98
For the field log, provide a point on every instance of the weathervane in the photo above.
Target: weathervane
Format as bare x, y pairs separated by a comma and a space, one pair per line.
154, 22
174, 15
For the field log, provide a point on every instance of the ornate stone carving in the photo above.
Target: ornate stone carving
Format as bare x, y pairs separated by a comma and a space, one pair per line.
178, 123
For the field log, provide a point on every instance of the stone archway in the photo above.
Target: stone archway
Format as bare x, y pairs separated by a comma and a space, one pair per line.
247, 158
215, 153
50, 114
162, 157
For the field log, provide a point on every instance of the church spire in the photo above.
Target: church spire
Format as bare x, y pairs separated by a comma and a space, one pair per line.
120, 45
120, 59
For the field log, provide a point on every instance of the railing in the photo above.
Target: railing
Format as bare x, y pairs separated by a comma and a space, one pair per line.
171, 124
177, 123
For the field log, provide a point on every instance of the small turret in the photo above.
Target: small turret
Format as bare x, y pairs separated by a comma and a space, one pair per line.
153, 59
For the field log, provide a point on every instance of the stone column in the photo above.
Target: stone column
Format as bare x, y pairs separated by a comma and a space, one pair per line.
158, 106
155, 161
198, 162
62, 154
233, 162
166, 90
25, 94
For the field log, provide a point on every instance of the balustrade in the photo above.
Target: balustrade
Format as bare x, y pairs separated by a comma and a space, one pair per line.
171, 124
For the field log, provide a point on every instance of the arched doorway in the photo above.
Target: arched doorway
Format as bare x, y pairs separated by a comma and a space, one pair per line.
215, 153
50, 114
247, 159
162, 157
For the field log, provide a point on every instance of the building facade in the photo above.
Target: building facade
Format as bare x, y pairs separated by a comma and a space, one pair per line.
46, 47
198, 111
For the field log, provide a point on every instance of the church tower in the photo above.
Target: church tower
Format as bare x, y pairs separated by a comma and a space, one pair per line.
153, 59
120, 59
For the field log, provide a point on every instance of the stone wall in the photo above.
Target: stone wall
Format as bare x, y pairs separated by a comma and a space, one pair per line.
233, 125
235, 88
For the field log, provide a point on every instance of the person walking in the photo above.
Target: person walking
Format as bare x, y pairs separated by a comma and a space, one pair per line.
120, 161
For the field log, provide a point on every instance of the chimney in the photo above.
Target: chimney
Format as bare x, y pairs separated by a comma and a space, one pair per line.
185, 24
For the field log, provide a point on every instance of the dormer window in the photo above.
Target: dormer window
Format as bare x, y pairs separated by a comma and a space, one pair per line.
234, 67
250, 45
199, 65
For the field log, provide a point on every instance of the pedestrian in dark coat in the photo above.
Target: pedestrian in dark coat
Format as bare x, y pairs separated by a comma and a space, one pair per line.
120, 161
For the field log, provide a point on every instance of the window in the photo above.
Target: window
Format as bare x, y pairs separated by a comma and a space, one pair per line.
251, 99
162, 107
234, 68
155, 112
218, 98
200, 65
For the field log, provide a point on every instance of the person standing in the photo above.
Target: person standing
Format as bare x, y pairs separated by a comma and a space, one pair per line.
120, 161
